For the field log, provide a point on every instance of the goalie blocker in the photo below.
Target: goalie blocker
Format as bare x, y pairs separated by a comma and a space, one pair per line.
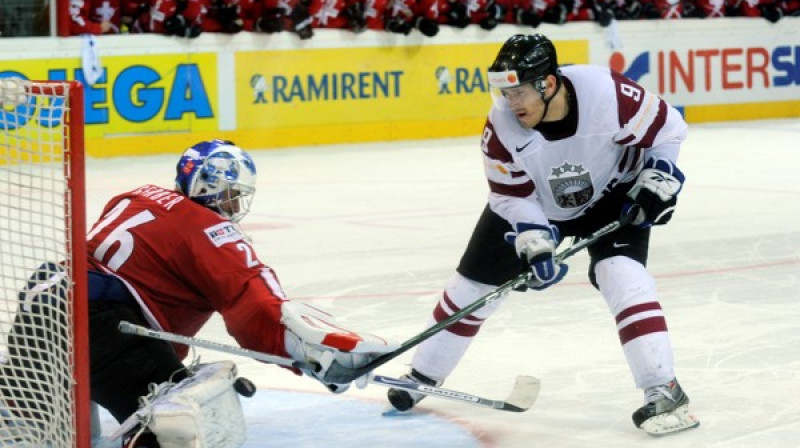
315, 337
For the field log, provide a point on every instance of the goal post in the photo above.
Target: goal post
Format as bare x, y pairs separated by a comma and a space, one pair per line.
44, 344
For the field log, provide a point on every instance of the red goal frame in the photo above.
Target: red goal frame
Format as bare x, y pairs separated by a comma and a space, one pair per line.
75, 228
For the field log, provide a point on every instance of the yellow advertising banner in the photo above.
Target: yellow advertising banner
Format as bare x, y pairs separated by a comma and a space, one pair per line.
141, 96
151, 103
363, 94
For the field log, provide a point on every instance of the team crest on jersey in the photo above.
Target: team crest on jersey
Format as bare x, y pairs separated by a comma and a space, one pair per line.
223, 233
571, 185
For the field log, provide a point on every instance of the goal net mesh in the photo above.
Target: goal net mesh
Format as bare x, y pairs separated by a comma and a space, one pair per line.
36, 265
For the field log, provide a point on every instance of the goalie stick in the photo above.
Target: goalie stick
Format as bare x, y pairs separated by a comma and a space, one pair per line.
522, 397
338, 373
138, 330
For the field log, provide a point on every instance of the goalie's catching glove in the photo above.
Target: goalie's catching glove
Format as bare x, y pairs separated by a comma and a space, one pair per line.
655, 192
314, 336
536, 245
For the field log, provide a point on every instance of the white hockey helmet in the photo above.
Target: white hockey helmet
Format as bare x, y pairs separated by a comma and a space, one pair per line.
219, 175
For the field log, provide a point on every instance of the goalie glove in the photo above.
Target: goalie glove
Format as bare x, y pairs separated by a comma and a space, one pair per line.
655, 192
536, 245
314, 336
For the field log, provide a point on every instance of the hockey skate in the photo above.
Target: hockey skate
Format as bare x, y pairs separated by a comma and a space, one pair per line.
666, 410
403, 400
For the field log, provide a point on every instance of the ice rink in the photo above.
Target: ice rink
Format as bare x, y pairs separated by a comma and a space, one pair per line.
372, 232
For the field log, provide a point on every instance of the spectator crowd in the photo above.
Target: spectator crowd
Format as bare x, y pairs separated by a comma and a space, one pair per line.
190, 18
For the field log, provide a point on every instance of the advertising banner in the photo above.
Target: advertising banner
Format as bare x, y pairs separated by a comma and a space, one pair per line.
141, 95
364, 90
160, 94
733, 75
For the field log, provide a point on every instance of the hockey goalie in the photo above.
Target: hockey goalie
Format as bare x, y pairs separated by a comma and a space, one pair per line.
203, 410
168, 259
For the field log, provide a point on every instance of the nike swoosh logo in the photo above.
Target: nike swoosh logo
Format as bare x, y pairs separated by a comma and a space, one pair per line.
520, 148
620, 245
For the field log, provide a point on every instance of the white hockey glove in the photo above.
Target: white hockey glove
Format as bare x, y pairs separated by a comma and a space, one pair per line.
655, 192
314, 336
536, 245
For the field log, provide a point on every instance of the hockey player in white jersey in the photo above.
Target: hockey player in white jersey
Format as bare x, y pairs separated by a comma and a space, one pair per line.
567, 151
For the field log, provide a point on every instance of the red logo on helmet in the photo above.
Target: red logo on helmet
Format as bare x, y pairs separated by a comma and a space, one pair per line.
188, 167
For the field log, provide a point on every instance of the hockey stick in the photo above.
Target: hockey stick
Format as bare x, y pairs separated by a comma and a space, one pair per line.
522, 397
138, 330
340, 374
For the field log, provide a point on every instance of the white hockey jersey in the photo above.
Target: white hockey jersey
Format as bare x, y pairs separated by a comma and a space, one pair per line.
619, 125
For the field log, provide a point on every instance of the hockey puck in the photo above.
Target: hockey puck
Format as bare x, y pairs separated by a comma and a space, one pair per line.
244, 387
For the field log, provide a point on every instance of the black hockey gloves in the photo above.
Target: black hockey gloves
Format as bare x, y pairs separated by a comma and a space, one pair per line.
655, 192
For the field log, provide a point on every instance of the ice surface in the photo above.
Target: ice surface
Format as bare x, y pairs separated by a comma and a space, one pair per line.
371, 232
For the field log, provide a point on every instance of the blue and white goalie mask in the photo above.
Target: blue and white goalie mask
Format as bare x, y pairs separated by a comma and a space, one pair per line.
219, 175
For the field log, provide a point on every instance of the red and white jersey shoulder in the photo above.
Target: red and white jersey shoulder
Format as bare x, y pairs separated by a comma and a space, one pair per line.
432, 9
712, 8
183, 262
535, 180
376, 12
87, 16
328, 13
152, 21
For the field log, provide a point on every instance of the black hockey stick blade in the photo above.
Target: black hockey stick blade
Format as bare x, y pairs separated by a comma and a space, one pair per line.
340, 374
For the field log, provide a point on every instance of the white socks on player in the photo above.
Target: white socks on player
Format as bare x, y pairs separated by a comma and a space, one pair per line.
437, 356
630, 292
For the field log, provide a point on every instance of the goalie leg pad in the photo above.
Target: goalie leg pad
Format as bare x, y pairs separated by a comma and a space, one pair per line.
202, 411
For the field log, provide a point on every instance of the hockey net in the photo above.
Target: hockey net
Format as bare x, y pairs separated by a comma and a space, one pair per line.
44, 394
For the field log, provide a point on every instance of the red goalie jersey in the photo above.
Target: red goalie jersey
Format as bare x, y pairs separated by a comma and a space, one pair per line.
211, 267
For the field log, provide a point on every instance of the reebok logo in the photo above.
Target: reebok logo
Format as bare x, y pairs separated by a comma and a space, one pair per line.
520, 148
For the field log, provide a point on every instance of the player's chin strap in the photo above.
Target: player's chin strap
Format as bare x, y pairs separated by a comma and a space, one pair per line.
341, 374
550, 98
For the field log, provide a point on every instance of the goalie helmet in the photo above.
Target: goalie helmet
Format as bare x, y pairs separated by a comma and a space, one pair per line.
219, 175
522, 59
